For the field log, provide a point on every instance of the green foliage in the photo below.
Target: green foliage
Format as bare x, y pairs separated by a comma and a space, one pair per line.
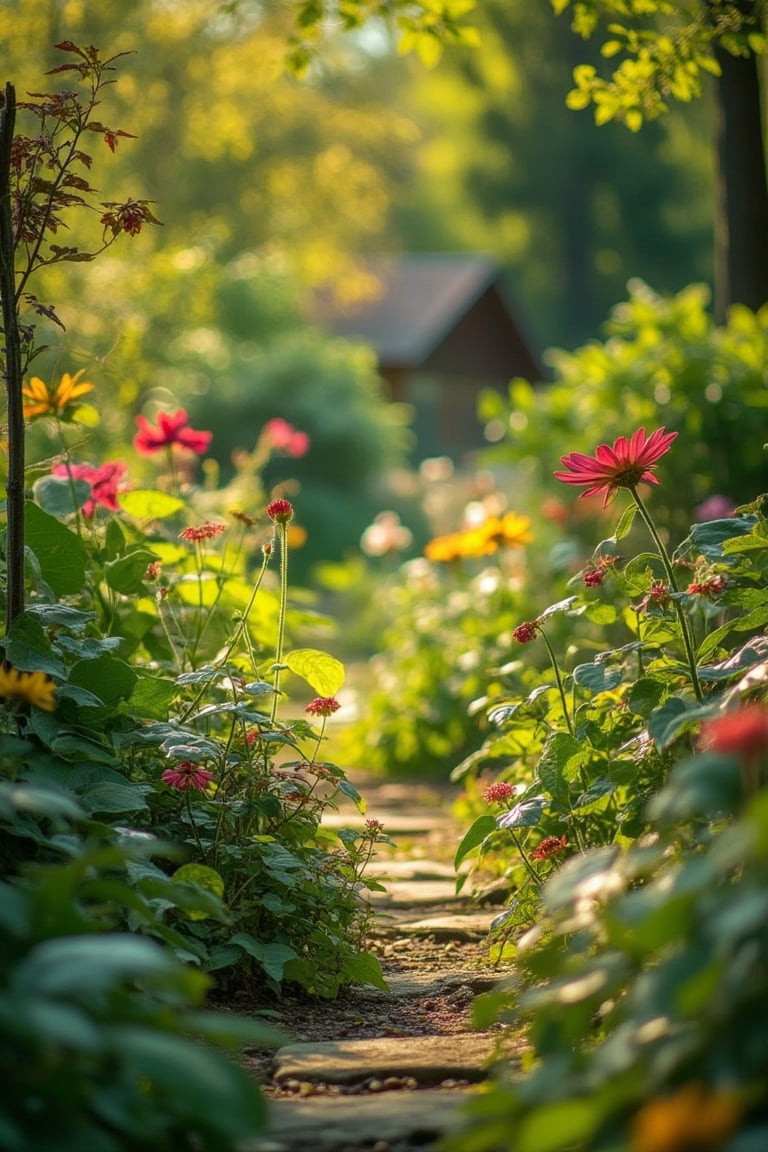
663, 361
104, 1043
666, 51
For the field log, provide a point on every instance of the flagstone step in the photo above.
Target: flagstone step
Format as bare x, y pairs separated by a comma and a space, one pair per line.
459, 926
412, 869
409, 893
428, 985
353, 1123
425, 1059
395, 823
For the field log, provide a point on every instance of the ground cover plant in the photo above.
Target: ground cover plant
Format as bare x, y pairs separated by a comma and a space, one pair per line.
631, 795
159, 815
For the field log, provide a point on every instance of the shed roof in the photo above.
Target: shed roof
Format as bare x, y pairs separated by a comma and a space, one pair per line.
422, 297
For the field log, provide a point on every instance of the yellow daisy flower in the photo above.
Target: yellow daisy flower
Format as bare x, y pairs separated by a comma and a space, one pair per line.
27, 687
691, 1119
50, 401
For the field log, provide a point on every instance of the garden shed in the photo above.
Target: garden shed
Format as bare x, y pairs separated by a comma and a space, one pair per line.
443, 329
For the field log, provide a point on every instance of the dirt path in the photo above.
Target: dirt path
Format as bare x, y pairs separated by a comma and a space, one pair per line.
385, 1072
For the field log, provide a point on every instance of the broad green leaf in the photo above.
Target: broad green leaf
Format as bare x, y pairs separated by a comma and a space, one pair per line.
526, 814
709, 537
112, 798
71, 964
150, 698
60, 553
106, 677
474, 836
542, 1129
59, 496
149, 504
272, 957
128, 572
559, 763
598, 676
202, 877
323, 673
364, 968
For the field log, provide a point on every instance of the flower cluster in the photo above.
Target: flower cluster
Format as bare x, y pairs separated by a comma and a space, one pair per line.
549, 846
35, 688
500, 791
129, 217
509, 531
657, 597
597, 570
172, 431
526, 631
708, 588
323, 706
200, 532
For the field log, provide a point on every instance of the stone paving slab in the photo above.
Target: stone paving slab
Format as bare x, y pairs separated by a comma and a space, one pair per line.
427, 985
352, 1123
410, 893
427, 1059
461, 926
410, 870
395, 823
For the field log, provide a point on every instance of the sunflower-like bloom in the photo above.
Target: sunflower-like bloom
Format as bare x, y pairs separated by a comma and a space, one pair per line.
45, 400
690, 1118
622, 466
27, 687
509, 531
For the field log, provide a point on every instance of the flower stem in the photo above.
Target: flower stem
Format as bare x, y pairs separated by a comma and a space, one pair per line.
559, 679
685, 629
524, 857
283, 531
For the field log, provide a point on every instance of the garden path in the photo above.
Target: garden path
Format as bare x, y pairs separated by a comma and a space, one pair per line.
390, 1072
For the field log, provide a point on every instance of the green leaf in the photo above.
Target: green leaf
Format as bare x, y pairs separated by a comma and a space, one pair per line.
323, 673
59, 496
108, 678
150, 697
709, 537
542, 1129
69, 964
60, 553
272, 957
559, 763
673, 717
202, 877
112, 798
474, 836
127, 573
149, 504
598, 677
526, 814
364, 968
626, 520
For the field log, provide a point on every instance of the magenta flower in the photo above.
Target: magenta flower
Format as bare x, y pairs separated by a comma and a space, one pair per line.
526, 631
714, 508
283, 437
200, 532
172, 430
624, 465
187, 776
104, 481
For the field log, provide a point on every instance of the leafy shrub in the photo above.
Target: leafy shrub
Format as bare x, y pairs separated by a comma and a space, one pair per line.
103, 1042
663, 361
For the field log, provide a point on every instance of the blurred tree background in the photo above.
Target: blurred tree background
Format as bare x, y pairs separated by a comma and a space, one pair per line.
272, 187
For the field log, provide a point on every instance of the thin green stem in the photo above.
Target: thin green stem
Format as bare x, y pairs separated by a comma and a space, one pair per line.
524, 857
683, 621
559, 679
283, 534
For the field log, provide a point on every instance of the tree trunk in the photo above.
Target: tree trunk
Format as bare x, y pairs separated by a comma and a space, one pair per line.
741, 211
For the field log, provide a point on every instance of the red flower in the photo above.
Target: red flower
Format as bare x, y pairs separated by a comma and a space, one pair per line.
186, 776
549, 846
280, 511
172, 429
740, 733
104, 481
526, 632
283, 437
622, 466
709, 588
201, 532
500, 791
658, 596
323, 706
